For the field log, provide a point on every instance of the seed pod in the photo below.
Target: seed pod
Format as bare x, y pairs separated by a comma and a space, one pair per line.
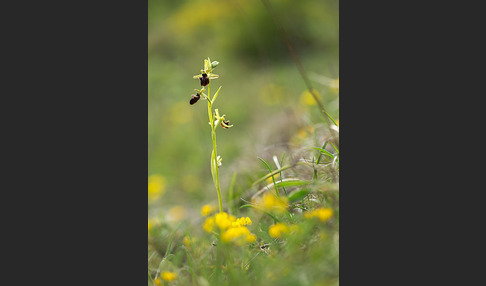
195, 98
204, 79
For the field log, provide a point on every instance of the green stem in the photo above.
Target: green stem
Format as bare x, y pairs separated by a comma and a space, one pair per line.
215, 157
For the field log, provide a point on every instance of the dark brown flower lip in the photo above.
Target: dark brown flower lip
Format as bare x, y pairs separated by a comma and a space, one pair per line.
195, 98
204, 79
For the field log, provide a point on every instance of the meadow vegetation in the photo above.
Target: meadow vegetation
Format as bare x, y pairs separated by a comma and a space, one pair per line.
242, 190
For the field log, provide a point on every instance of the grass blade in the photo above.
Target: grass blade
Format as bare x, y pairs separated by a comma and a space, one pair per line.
276, 172
231, 193
273, 178
325, 152
252, 206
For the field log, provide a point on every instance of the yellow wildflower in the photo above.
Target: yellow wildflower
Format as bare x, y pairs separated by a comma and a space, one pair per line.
206, 210
168, 276
187, 242
250, 238
234, 232
157, 282
242, 221
271, 203
223, 220
278, 230
156, 186
232, 229
323, 214
208, 225
235, 223
152, 222
238, 235
306, 98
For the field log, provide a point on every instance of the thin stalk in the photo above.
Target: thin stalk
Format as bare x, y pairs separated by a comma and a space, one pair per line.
215, 157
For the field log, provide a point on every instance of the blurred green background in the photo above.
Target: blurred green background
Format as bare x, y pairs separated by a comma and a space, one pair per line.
262, 93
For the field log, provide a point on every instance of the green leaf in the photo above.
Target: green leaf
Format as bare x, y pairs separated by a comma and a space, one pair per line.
276, 172
298, 195
294, 183
214, 165
215, 95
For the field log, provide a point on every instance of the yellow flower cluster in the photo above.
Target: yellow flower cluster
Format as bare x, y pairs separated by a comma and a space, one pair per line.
207, 210
168, 276
232, 229
323, 214
156, 187
152, 222
272, 204
279, 230
223, 220
239, 235
242, 221
208, 225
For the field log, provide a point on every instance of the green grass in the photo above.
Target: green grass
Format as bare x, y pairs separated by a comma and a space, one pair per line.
280, 143
307, 256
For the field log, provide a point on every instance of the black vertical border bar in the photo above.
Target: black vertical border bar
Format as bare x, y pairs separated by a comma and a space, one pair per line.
375, 209
123, 53
407, 214
78, 141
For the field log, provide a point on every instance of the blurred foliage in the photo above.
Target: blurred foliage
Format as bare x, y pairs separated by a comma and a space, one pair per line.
262, 92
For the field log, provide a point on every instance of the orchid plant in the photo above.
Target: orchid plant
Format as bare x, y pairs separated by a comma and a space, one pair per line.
215, 119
